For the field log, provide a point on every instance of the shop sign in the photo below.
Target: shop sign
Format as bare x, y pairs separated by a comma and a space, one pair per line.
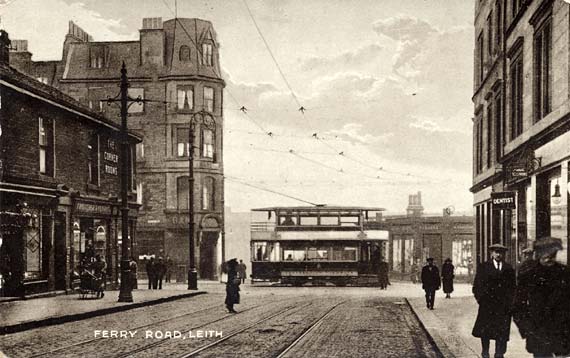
503, 200
89, 208
111, 158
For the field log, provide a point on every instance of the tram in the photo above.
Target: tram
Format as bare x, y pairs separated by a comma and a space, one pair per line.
318, 245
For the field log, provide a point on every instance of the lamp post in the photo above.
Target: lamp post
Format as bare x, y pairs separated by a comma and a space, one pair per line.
207, 120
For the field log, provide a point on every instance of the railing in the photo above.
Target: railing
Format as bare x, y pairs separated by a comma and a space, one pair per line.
262, 226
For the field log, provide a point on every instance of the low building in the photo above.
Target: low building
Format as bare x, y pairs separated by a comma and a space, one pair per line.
59, 185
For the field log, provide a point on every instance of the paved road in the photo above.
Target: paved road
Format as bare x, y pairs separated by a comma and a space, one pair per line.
272, 322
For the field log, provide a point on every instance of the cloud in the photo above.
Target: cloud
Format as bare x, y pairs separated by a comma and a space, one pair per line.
353, 132
360, 56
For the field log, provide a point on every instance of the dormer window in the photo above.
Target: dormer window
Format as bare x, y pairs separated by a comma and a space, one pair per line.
97, 56
207, 54
184, 53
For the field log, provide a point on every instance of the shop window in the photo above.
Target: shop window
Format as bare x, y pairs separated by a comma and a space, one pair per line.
209, 99
45, 141
182, 193
208, 194
207, 143
397, 255
185, 98
408, 254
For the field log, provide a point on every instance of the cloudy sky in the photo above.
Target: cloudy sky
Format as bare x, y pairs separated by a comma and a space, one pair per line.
385, 84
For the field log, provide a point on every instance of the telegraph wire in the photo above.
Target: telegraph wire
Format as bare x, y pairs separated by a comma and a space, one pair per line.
237, 180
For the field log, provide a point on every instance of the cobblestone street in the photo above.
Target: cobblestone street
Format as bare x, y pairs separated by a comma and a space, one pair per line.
272, 321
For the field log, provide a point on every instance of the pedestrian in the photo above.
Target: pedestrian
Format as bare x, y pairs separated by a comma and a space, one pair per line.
447, 276
99, 271
494, 289
232, 285
526, 260
169, 266
242, 269
470, 271
160, 269
383, 275
541, 310
150, 272
133, 271
430, 282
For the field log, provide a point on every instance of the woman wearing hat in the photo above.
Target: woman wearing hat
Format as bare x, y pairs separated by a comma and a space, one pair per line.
542, 302
447, 276
232, 286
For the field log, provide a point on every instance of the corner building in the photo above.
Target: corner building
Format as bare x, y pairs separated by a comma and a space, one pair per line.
175, 65
521, 124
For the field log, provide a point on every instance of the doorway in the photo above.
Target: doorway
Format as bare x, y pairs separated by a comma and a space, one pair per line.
208, 260
60, 258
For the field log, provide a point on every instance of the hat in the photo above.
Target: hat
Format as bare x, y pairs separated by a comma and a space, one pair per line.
498, 247
528, 251
447, 260
429, 259
547, 246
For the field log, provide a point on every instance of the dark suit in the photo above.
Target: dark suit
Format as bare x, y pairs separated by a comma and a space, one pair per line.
430, 283
494, 291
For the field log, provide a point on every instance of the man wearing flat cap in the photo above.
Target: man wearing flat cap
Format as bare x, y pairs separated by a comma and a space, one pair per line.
430, 282
494, 289
541, 310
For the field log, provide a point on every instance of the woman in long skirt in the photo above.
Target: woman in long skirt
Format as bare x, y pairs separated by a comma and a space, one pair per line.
232, 286
447, 276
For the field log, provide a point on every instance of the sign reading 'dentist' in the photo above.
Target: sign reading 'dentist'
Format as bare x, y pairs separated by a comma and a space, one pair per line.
503, 200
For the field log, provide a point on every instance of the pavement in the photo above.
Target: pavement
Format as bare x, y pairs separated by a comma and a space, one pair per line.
449, 324
21, 315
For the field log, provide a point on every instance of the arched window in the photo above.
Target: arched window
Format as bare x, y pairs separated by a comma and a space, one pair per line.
208, 193
184, 53
182, 193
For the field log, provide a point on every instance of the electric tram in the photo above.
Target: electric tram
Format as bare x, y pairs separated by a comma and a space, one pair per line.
318, 245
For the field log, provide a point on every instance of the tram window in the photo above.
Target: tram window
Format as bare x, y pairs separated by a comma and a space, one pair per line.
329, 220
294, 255
349, 221
266, 251
308, 220
287, 220
344, 254
317, 254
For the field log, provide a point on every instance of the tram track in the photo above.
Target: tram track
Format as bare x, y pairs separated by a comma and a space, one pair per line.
213, 344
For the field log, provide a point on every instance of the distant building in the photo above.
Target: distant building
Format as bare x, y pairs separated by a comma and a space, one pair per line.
521, 124
415, 237
175, 63
59, 184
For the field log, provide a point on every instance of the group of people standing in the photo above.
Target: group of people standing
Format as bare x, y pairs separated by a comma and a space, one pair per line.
157, 271
538, 301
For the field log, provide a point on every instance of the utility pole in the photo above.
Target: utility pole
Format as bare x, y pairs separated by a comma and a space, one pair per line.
204, 119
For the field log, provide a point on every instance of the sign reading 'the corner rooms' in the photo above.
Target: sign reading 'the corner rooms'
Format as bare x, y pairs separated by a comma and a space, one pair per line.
504, 200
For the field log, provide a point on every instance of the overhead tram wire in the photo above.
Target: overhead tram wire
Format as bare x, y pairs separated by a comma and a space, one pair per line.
301, 108
236, 180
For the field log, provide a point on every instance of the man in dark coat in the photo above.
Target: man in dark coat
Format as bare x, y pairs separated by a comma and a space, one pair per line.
160, 270
383, 279
150, 272
494, 289
447, 276
232, 286
430, 282
542, 299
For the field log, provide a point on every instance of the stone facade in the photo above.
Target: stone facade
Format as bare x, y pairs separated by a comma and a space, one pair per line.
521, 123
175, 65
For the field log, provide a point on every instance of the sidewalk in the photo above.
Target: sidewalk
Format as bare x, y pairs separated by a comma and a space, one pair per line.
451, 322
21, 315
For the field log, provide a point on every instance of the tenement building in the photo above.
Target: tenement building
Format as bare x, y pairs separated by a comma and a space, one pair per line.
59, 185
174, 65
521, 123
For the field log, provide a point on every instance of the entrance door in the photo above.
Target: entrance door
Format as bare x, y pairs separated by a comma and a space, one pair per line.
208, 250
60, 259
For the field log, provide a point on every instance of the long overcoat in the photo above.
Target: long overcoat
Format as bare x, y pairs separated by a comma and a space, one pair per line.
232, 286
430, 278
542, 308
447, 276
494, 291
